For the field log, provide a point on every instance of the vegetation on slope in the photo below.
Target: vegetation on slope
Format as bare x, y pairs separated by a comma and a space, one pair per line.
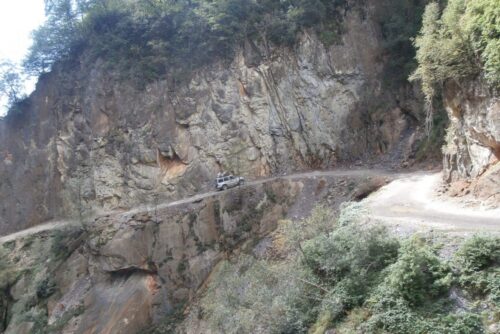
151, 38
28, 268
356, 279
400, 21
146, 40
458, 42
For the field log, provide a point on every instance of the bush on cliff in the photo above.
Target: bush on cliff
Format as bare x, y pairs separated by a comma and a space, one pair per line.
8, 273
460, 41
477, 262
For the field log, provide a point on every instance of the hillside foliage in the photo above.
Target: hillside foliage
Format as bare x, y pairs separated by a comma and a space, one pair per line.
400, 21
152, 38
149, 39
459, 41
354, 278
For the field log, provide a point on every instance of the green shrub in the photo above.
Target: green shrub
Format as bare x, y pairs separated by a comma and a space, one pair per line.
294, 233
418, 274
478, 253
399, 318
349, 263
351, 213
8, 273
459, 42
462, 323
477, 262
339, 255
393, 315
255, 296
45, 288
412, 298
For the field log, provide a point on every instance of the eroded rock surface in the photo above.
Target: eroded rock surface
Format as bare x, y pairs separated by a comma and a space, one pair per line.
88, 142
472, 153
124, 272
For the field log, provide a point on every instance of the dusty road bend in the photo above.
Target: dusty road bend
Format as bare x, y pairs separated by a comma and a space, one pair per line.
409, 200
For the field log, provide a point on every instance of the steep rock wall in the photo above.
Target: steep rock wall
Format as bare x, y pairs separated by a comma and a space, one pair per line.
89, 142
472, 153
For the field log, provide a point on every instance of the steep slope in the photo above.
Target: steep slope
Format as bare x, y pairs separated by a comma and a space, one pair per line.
87, 141
472, 153
125, 271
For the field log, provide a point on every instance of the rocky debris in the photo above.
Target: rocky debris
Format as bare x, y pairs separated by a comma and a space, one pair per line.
483, 191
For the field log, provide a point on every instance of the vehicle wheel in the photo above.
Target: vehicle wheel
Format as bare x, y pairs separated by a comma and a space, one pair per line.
242, 182
224, 187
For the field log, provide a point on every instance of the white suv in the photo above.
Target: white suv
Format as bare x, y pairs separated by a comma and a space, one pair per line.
228, 181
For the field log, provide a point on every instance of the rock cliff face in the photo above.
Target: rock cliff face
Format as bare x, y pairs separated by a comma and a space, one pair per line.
473, 141
124, 272
89, 142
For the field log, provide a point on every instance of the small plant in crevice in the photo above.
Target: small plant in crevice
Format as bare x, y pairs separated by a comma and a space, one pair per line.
45, 288
8, 273
271, 196
168, 324
182, 266
200, 247
59, 248
68, 315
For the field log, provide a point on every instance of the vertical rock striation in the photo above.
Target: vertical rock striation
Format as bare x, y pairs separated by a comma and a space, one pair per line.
87, 141
473, 140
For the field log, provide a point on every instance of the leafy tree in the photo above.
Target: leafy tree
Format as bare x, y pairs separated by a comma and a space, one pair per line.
11, 82
52, 41
482, 26
150, 38
427, 71
460, 42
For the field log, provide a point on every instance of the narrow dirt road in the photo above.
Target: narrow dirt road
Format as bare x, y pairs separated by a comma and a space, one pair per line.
411, 203
296, 176
60, 224
51, 225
